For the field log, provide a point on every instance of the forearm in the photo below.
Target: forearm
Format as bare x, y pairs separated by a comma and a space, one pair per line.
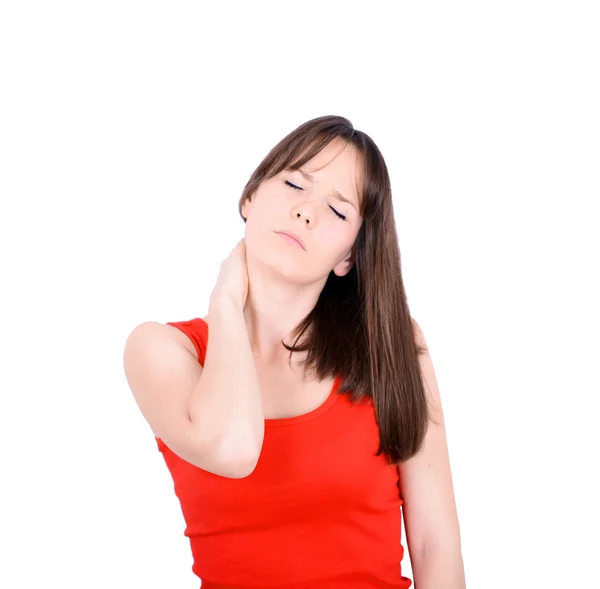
226, 404
438, 567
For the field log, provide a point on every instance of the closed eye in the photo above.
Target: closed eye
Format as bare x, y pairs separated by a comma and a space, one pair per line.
343, 217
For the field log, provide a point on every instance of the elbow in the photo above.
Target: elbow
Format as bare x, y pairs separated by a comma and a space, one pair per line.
239, 467
239, 460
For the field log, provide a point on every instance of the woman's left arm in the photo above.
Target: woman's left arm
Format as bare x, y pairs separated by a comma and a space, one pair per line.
429, 508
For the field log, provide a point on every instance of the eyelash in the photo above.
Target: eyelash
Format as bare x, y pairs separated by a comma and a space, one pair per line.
342, 217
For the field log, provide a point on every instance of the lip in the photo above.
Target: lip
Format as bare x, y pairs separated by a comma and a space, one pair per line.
294, 236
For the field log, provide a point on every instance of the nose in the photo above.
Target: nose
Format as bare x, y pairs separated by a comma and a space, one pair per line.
304, 215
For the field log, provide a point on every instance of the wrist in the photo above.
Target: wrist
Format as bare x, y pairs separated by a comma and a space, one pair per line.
227, 303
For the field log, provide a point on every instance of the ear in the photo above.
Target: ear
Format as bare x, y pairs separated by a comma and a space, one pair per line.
344, 267
246, 206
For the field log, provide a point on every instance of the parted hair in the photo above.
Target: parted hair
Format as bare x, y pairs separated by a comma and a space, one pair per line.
361, 327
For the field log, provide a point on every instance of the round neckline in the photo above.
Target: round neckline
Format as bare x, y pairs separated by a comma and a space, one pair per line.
325, 406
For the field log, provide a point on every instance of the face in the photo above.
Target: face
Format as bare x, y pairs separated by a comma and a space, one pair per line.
309, 207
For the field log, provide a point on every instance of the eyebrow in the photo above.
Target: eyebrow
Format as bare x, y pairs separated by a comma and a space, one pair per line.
336, 193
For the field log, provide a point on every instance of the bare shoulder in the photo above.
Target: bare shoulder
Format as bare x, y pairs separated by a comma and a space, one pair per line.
160, 332
419, 337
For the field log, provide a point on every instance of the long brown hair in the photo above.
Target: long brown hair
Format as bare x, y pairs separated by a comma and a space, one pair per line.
360, 327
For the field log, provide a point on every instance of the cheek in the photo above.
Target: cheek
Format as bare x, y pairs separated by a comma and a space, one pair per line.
336, 234
272, 202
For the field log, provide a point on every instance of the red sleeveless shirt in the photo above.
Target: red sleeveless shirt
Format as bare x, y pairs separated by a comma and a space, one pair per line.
319, 511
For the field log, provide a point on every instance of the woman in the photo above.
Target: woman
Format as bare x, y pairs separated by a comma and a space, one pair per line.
295, 438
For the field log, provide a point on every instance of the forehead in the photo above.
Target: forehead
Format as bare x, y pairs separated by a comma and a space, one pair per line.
340, 163
338, 155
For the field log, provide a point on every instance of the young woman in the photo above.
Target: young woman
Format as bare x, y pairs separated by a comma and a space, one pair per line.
310, 419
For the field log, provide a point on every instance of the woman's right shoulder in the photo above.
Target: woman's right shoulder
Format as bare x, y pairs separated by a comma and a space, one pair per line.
185, 333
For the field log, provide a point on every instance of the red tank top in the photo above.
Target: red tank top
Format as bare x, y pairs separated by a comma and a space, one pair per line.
319, 511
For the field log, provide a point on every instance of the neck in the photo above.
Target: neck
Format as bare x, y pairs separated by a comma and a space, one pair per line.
274, 307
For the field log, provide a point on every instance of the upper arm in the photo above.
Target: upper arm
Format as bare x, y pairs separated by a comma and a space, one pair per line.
162, 372
425, 480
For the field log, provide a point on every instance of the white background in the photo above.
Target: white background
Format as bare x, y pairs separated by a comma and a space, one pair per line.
127, 132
